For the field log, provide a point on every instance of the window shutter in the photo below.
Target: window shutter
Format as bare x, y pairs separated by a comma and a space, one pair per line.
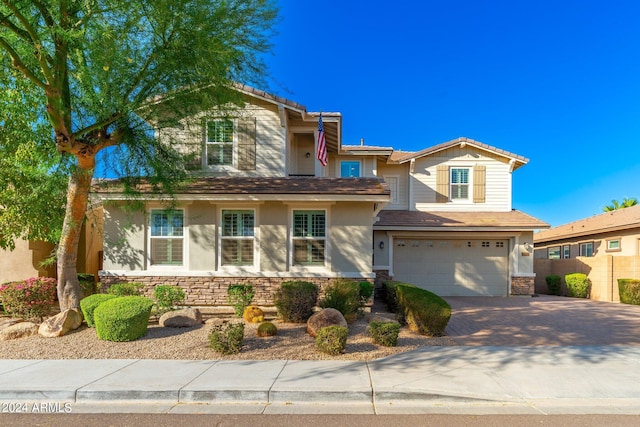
479, 184
442, 184
247, 144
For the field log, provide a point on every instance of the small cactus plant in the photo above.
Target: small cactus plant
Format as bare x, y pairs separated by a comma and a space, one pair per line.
267, 329
253, 314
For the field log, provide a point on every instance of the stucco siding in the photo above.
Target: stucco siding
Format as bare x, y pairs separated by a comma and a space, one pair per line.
201, 226
124, 239
350, 234
273, 237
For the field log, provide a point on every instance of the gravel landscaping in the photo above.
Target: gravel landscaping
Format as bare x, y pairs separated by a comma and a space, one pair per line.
291, 343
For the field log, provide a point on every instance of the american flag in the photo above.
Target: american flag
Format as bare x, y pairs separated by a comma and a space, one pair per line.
322, 144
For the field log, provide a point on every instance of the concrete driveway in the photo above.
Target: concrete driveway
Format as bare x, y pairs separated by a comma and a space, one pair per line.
542, 321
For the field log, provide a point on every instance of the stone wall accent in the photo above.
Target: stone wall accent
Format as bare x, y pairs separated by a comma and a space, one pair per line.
212, 291
522, 285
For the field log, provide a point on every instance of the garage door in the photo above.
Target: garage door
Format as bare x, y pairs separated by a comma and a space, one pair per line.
453, 267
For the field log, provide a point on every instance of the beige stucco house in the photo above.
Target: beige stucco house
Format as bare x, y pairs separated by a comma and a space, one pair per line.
262, 209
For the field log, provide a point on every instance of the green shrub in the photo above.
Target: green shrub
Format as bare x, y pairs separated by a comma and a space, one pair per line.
390, 298
366, 292
90, 303
33, 298
344, 296
578, 285
87, 284
267, 329
332, 339
629, 291
423, 311
122, 319
227, 338
554, 283
239, 296
295, 300
384, 333
126, 289
168, 297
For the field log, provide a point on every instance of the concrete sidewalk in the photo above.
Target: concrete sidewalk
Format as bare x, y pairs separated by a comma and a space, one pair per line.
469, 380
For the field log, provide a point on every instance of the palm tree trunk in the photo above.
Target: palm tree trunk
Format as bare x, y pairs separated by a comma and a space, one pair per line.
77, 200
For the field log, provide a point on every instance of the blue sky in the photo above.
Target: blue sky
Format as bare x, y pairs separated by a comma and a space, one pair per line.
555, 81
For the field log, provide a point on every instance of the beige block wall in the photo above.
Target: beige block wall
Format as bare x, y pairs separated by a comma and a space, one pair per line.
603, 272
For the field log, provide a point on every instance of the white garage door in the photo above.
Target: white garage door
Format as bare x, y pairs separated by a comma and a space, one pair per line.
453, 267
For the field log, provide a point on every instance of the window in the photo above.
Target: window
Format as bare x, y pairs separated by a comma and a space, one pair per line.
167, 237
553, 252
586, 249
219, 143
459, 183
393, 183
566, 252
613, 245
309, 237
349, 169
237, 237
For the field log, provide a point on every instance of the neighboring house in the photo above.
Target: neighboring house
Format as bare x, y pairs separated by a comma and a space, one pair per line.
26, 260
611, 233
606, 247
263, 210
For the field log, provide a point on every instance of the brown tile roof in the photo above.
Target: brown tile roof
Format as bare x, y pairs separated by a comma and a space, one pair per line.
620, 219
212, 186
474, 220
454, 142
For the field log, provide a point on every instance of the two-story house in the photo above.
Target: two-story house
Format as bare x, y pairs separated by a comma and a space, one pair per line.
263, 210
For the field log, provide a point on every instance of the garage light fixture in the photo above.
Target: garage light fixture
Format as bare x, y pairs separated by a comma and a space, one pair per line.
381, 245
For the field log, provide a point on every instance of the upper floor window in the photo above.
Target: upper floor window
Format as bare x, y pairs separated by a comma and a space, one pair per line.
167, 237
219, 143
394, 187
238, 236
586, 249
309, 237
350, 169
459, 183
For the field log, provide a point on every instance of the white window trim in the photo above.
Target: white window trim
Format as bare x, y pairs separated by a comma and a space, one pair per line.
593, 249
469, 199
185, 241
564, 253
256, 241
553, 247
297, 268
618, 249
339, 166
233, 167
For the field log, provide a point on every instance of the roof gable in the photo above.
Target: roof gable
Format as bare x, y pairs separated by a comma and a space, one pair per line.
515, 159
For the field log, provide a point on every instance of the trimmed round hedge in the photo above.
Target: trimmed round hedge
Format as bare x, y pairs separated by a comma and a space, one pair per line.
123, 318
90, 303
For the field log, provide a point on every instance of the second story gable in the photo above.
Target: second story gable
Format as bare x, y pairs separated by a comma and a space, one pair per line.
458, 175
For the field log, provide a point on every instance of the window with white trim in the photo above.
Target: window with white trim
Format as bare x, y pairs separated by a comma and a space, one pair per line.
238, 237
586, 249
553, 252
349, 169
167, 237
459, 184
566, 251
219, 143
613, 245
309, 237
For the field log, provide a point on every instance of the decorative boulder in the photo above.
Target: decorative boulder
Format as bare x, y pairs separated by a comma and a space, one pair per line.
18, 330
184, 318
60, 324
323, 318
